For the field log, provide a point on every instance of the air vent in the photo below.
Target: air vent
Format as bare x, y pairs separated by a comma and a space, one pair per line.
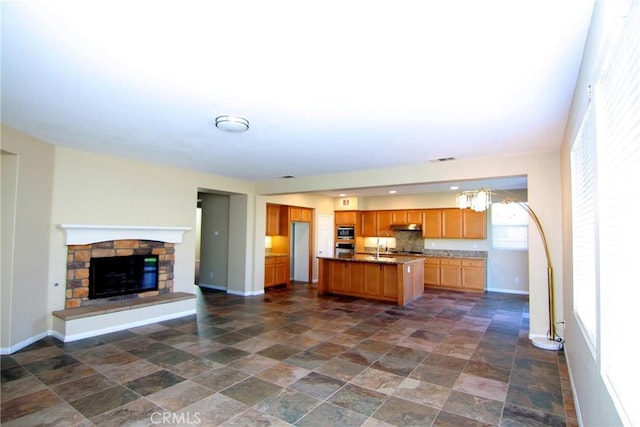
443, 159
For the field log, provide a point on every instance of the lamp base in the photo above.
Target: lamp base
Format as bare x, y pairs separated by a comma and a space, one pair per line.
546, 344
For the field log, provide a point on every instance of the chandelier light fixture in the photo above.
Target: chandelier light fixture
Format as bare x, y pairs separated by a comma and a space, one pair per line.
233, 124
479, 201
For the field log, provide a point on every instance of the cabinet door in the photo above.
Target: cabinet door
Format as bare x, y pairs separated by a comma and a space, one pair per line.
451, 223
399, 217
295, 214
390, 280
432, 271
414, 217
450, 275
338, 276
269, 272
345, 217
273, 220
356, 280
369, 224
282, 271
432, 223
474, 224
473, 274
372, 279
384, 219
305, 215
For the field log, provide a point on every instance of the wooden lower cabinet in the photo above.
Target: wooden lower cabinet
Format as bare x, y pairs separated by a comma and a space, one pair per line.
450, 274
400, 283
432, 271
276, 271
473, 274
464, 274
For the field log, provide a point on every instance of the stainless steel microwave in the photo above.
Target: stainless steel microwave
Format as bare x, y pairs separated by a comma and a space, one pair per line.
346, 233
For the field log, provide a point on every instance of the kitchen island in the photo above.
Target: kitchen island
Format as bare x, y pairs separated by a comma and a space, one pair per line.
397, 279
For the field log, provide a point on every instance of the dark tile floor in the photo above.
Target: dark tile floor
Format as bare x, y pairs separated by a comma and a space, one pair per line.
289, 357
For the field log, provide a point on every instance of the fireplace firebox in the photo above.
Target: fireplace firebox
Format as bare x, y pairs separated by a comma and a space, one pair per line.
122, 275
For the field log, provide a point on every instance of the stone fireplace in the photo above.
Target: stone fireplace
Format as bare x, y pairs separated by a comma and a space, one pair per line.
83, 317
79, 259
85, 242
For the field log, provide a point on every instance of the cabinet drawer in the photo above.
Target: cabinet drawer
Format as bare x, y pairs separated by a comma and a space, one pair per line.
270, 260
450, 261
432, 261
473, 263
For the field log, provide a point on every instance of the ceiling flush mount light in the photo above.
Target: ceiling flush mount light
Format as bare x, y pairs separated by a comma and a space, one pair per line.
233, 124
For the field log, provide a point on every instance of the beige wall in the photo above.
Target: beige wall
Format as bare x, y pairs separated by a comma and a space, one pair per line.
593, 401
97, 189
57, 185
28, 282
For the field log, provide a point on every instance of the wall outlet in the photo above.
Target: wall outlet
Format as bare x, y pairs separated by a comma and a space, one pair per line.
211, 274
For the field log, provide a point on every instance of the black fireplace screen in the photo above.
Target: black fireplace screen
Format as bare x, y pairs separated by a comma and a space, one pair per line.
122, 275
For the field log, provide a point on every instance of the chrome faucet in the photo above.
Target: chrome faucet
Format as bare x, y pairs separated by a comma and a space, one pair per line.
378, 242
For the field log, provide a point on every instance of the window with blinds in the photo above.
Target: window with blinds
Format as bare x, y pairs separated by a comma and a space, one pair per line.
509, 227
617, 104
583, 202
605, 169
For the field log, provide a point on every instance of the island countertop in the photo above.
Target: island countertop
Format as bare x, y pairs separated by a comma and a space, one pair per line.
385, 259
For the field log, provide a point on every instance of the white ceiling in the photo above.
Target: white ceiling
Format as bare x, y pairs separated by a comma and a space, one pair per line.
328, 86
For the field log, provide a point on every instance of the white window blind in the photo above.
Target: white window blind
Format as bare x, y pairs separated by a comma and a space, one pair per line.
509, 226
618, 151
583, 194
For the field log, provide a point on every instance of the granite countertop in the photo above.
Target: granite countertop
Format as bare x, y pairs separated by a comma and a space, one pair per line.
382, 259
439, 253
273, 254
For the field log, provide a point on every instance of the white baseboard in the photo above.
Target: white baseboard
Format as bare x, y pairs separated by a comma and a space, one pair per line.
214, 287
508, 291
245, 293
25, 343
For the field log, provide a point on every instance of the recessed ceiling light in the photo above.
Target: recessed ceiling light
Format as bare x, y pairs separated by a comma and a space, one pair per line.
233, 124
454, 187
342, 195
392, 191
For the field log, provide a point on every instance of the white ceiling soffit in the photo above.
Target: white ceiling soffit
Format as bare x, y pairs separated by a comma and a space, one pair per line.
502, 183
327, 87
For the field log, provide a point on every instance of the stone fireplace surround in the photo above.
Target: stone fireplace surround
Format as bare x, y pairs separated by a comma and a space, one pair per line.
82, 317
79, 258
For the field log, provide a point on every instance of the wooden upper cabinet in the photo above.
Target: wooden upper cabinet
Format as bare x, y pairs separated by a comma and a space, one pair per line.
273, 220
406, 217
346, 217
451, 223
474, 224
414, 217
369, 223
384, 220
432, 223
300, 214
399, 217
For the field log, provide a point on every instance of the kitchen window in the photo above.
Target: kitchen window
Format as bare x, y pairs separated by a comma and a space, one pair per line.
509, 227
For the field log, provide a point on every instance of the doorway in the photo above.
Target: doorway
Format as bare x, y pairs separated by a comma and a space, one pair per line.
300, 252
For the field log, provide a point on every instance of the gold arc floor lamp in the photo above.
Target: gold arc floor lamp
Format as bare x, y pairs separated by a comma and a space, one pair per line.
480, 200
